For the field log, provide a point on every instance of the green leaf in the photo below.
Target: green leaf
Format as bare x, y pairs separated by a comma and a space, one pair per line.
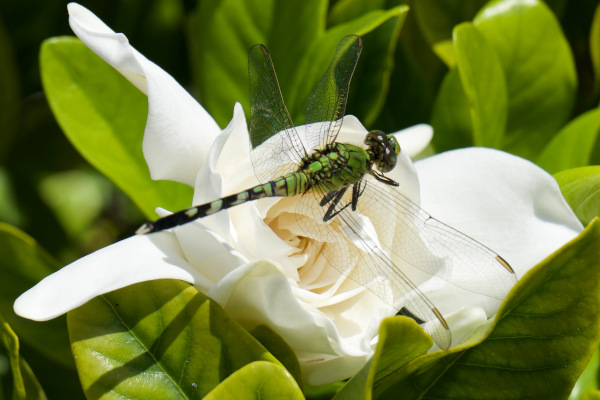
371, 80
543, 336
25, 384
391, 355
450, 117
574, 145
23, 264
103, 115
415, 80
314, 63
538, 67
591, 395
588, 381
220, 34
158, 339
257, 380
279, 348
483, 83
581, 188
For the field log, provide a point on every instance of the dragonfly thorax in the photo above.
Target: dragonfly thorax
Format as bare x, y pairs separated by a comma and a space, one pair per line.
383, 150
336, 166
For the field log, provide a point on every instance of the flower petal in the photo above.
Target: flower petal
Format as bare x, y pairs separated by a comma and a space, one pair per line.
414, 139
135, 259
505, 202
260, 293
178, 131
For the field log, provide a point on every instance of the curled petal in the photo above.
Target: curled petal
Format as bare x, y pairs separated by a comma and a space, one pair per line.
503, 201
178, 131
133, 260
414, 139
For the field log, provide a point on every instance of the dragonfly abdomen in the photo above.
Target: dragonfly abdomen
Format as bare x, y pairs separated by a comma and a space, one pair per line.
285, 186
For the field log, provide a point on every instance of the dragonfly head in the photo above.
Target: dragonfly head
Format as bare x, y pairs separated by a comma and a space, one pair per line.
384, 149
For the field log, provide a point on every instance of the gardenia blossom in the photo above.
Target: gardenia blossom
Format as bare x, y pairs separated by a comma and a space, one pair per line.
253, 259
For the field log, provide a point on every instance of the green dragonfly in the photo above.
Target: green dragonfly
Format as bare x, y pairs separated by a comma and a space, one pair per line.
356, 212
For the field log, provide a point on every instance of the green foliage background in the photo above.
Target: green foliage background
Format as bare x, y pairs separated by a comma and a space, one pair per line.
526, 80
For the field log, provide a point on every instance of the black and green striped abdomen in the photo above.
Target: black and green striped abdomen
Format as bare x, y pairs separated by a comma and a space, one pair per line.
338, 165
285, 186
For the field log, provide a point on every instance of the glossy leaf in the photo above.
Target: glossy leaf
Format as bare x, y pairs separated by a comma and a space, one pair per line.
542, 338
25, 385
574, 145
538, 67
257, 380
103, 115
581, 188
483, 82
23, 264
158, 339
392, 354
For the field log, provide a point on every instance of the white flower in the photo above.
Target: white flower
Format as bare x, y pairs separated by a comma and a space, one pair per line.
247, 258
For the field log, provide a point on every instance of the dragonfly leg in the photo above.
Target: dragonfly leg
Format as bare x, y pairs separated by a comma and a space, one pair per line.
382, 178
335, 198
357, 191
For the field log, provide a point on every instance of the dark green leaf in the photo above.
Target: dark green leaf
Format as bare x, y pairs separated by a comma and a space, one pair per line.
221, 33
483, 82
23, 264
538, 67
258, 380
595, 48
9, 94
103, 115
158, 339
574, 145
581, 188
371, 81
25, 384
314, 63
543, 336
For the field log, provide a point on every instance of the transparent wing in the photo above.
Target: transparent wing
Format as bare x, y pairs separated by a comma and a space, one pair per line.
276, 148
327, 103
400, 248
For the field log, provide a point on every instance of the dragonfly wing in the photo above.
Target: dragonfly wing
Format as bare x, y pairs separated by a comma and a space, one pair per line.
276, 148
349, 245
327, 103
402, 251
415, 239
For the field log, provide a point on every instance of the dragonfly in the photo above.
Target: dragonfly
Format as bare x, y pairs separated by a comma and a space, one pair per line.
370, 231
